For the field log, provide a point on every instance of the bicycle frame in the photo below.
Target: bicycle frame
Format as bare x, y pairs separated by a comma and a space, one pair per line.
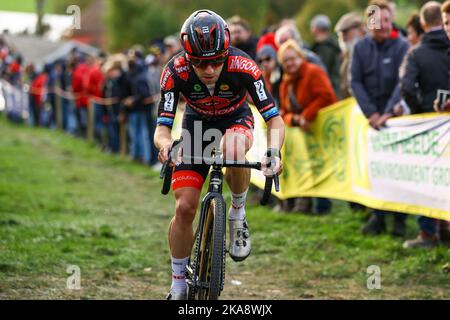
214, 192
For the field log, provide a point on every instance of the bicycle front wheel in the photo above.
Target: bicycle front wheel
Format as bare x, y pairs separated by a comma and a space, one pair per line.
210, 253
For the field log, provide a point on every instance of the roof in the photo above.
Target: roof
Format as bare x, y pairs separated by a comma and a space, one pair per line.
39, 51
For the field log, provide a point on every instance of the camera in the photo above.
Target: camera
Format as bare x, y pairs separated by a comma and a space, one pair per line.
442, 97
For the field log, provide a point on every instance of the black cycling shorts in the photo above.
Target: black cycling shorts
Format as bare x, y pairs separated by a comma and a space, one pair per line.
193, 175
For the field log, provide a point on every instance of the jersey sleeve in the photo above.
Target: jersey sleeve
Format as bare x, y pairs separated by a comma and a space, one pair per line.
256, 86
263, 99
169, 98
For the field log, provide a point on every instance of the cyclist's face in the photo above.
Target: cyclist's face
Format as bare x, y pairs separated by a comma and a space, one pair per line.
208, 74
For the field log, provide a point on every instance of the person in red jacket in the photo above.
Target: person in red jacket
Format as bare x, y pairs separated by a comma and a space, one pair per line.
95, 82
81, 99
38, 94
305, 89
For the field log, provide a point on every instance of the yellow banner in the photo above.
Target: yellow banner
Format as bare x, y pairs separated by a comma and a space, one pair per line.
404, 168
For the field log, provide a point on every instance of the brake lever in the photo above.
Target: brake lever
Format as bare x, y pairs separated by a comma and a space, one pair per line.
276, 180
164, 169
172, 151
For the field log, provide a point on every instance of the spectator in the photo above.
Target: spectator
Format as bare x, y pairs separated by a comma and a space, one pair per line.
267, 60
290, 31
80, 71
428, 66
267, 38
115, 78
241, 36
172, 47
327, 48
51, 95
95, 83
415, 30
304, 90
67, 105
446, 20
396, 29
350, 29
375, 85
30, 74
415, 34
39, 95
136, 93
15, 70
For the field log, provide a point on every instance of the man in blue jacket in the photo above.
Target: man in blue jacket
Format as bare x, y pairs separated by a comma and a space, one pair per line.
375, 85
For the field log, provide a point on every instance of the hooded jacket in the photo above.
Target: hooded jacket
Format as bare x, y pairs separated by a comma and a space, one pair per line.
426, 70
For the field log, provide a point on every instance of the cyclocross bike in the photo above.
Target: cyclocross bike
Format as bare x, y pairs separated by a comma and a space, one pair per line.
205, 273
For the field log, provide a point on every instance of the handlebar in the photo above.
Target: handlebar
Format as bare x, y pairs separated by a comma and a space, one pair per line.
166, 170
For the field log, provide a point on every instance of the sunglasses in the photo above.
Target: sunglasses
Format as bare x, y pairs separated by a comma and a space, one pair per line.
264, 60
203, 63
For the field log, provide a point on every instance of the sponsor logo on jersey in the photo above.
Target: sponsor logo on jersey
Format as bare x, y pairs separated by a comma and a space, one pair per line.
198, 87
224, 87
242, 64
167, 80
182, 68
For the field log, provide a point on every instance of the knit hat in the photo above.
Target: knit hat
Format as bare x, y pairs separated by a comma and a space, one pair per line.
266, 51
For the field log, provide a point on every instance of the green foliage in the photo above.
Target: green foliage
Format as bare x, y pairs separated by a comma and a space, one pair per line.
254, 11
60, 6
333, 9
137, 22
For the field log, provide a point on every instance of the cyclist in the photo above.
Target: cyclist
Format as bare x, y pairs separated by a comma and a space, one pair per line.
214, 79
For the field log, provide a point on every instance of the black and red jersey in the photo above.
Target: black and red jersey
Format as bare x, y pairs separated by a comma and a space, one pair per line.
240, 75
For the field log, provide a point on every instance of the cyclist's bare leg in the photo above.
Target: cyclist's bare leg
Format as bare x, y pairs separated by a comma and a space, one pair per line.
235, 146
181, 239
181, 234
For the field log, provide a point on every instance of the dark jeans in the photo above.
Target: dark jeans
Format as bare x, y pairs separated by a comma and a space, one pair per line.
323, 205
383, 214
151, 123
33, 111
139, 137
51, 98
428, 225
98, 121
113, 130
81, 113
68, 115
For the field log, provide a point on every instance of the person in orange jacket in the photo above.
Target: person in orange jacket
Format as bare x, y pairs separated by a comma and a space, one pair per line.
305, 89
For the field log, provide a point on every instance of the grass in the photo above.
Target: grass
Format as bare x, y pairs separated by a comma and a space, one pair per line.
23, 6
63, 202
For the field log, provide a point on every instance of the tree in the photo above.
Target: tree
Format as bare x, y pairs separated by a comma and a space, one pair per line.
137, 22
333, 9
40, 27
60, 6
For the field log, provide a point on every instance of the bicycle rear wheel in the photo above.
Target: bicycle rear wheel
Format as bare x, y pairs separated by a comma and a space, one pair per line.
210, 252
